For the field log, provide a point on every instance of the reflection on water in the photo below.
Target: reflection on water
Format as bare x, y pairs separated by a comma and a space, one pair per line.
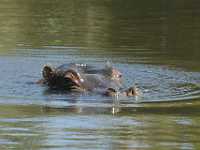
34, 127
154, 43
155, 30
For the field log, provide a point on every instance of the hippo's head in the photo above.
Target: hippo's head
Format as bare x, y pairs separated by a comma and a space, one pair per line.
74, 78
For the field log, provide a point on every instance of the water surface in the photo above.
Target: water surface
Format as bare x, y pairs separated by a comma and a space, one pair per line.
154, 44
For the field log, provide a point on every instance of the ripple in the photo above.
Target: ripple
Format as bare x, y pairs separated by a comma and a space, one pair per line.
157, 83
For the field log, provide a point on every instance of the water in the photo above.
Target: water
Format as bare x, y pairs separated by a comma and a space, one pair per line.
154, 44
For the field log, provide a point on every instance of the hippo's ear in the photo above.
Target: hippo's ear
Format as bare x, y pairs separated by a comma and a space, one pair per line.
47, 72
108, 65
108, 68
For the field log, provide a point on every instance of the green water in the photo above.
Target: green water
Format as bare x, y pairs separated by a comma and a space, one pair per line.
153, 43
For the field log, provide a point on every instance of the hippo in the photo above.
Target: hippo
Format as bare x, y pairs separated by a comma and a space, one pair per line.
82, 77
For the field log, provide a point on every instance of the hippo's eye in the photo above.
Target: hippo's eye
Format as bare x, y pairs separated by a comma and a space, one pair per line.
119, 75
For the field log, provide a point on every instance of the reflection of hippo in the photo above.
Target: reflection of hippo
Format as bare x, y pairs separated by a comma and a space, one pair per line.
81, 77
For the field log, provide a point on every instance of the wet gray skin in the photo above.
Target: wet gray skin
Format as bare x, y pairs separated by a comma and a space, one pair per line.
82, 77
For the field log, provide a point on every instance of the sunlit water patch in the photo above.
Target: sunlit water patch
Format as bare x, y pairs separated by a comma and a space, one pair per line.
156, 83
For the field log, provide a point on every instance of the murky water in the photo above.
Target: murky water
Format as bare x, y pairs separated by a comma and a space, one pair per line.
154, 44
